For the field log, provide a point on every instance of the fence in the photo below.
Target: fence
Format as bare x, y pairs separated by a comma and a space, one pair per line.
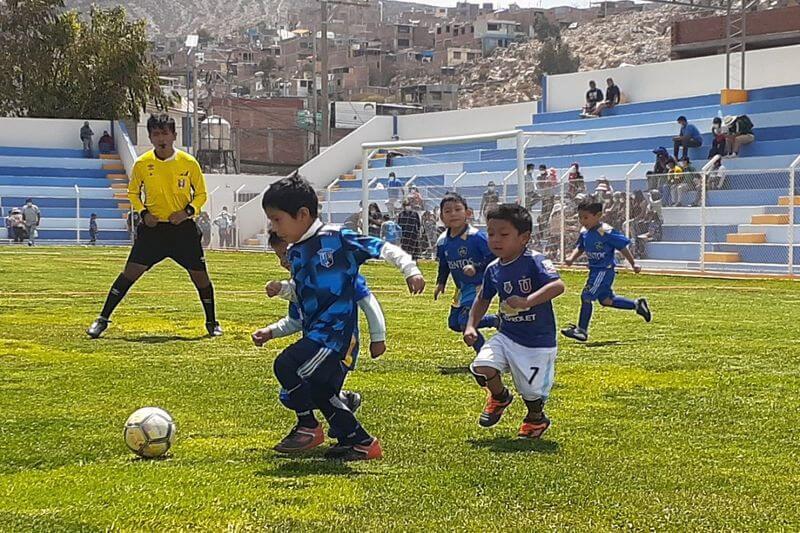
706, 220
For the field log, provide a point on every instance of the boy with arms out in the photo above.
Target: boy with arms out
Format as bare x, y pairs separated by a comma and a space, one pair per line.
463, 252
324, 264
526, 283
599, 241
307, 433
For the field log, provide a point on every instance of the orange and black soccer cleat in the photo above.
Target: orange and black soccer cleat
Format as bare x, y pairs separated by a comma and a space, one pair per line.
494, 409
356, 452
533, 430
301, 439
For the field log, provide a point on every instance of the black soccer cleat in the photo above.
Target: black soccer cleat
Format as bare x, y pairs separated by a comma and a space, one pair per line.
643, 310
214, 329
98, 327
574, 332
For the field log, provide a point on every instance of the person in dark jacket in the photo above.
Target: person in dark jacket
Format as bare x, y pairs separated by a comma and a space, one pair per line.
410, 225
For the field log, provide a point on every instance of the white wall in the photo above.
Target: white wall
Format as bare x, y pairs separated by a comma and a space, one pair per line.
676, 79
48, 132
465, 121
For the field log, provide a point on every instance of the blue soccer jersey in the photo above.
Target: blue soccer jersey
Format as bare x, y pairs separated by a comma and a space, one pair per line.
325, 269
600, 244
470, 247
534, 327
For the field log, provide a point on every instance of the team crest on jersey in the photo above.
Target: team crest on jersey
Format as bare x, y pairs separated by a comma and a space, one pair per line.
463, 251
525, 285
181, 183
508, 287
325, 257
598, 245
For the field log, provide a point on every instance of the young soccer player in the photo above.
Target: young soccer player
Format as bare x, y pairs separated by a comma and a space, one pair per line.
307, 433
600, 241
463, 252
324, 263
526, 283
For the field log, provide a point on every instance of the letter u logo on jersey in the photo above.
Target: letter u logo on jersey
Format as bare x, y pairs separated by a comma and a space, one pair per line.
325, 257
525, 285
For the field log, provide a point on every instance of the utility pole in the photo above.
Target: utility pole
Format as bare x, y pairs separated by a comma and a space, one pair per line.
325, 134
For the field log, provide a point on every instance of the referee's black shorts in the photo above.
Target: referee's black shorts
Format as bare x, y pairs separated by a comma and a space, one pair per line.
181, 243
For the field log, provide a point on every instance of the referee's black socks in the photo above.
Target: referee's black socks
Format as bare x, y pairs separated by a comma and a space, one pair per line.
207, 297
118, 291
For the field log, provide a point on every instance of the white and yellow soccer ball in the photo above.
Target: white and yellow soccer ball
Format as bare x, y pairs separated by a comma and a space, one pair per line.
149, 432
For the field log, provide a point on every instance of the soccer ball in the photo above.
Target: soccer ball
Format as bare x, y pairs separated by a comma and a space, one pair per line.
149, 432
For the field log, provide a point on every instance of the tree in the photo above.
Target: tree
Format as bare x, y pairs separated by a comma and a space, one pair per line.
555, 57
204, 36
543, 29
57, 65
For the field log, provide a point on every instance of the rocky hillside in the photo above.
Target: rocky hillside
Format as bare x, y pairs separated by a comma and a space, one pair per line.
511, 75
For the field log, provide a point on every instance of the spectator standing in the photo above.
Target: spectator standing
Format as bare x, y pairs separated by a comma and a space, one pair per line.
416, 200
740, 132
106, 143
544, 185
375, 220
32, 217
489, 200
688, 137
224, 224
431, 231
717, 138
16, 225
390, 231
93, 229
133, 220
394, 192
86, 139
204, 225
576, 184
593, 97
410, 224
612, 98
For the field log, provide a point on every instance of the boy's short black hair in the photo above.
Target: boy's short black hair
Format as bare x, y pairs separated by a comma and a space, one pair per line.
529, 166
453, 197
290, 194
517, 215
591, 205
716, 120
274, 239
681, 119
161, 121
386, 218
542, 167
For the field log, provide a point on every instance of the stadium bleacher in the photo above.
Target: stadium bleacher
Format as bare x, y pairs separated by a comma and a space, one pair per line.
50, 176
750, 203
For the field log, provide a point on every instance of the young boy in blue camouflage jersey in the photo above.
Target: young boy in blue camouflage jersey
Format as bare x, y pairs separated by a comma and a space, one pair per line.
324, 262
599, 242
463, 253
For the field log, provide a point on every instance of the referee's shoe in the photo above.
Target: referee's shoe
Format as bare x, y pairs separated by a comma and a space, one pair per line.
213, 328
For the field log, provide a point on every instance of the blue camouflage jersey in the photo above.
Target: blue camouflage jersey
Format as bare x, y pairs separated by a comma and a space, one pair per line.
325, 271
470, 247
534, 327
600, 244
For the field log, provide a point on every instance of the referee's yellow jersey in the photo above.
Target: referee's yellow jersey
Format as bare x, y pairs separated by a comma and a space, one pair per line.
168, 185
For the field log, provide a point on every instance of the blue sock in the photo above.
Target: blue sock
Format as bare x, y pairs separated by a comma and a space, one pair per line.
618, 302
488, 321
585, 316
478, 343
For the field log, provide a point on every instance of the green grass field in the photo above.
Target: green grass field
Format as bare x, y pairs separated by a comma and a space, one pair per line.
690, 422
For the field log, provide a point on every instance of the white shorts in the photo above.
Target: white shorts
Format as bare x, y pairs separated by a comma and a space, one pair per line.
532, 369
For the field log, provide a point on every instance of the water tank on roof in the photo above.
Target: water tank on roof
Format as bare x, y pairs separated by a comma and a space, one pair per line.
215, 133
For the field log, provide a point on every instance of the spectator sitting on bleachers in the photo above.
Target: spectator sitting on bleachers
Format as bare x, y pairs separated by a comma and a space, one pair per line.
603, 189
664, 163
718, 138
86, 138
683, 179
688, 137
593, 97
106, 143
654, 227
740, 132
612, 98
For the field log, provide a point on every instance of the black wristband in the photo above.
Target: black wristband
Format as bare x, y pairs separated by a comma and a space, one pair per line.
189, 210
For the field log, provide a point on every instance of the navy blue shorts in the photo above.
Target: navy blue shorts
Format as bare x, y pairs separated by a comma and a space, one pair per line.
600, 285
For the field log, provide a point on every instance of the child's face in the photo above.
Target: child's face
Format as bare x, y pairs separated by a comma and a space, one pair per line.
454, 215
588, 219
289, 228
280, 250
162, 138
505, 241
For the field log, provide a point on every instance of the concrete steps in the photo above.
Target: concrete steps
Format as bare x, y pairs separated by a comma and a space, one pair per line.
769, 219
786, 200
722, 257
746, 238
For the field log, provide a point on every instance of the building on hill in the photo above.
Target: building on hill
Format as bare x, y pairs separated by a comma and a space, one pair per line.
494, 33
443, 97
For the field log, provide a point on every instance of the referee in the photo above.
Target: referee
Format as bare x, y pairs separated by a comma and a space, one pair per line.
174, 191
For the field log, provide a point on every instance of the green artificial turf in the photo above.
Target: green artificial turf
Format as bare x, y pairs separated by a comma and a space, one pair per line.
688, 423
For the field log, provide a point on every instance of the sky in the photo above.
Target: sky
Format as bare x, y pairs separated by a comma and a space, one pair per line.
505, 3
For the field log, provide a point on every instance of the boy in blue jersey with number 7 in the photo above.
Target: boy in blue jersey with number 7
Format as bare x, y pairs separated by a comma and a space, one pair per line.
599, 242
526, 283
324, 263
463, 253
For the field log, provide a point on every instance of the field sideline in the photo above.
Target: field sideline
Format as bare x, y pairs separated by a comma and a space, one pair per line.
690, 422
